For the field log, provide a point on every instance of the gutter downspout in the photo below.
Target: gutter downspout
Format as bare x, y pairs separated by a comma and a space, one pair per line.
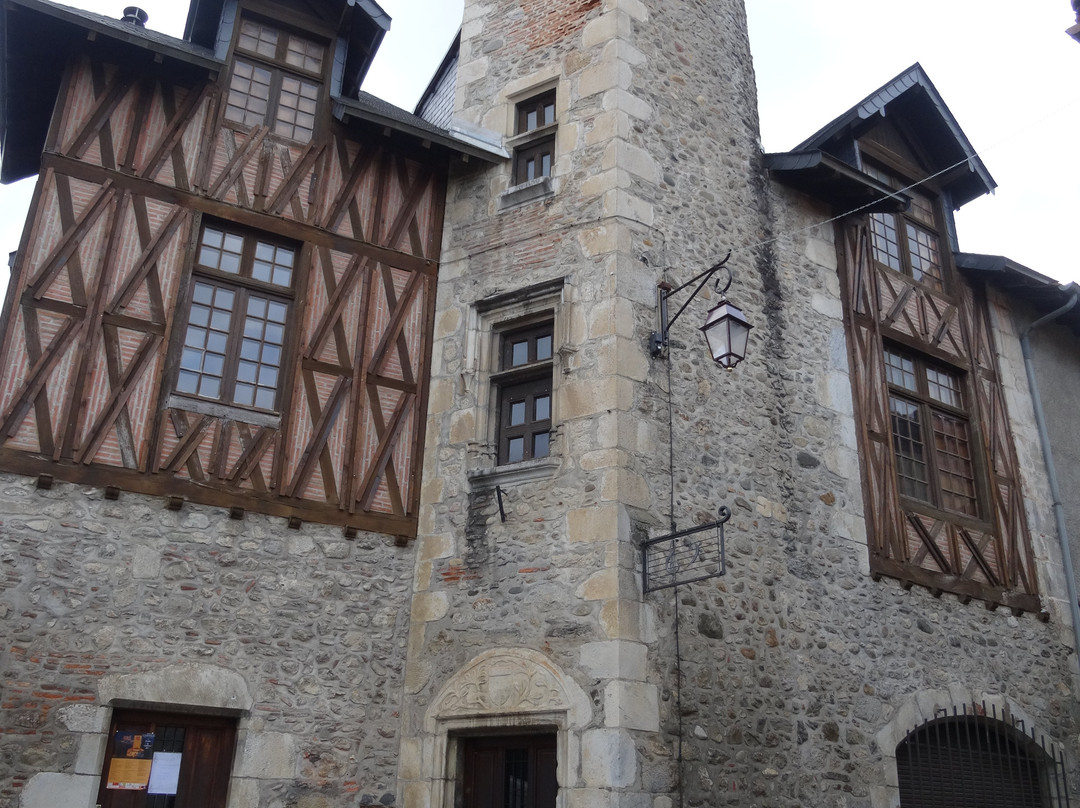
1048, 458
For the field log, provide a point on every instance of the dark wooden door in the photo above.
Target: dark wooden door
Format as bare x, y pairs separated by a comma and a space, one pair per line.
205, 745
510, 771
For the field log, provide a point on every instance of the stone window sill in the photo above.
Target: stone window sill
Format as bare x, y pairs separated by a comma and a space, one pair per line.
513, 473
540, 188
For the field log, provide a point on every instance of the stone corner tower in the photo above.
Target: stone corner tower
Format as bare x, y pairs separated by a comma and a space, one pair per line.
631, 134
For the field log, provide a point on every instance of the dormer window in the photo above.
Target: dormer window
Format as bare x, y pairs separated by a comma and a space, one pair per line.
276, 81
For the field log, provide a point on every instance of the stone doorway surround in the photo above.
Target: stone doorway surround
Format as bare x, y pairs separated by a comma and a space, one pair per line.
502, 689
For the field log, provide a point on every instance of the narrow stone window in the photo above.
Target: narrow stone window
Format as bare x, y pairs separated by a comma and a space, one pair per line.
276, 80
524, 393
234, 340
534, 144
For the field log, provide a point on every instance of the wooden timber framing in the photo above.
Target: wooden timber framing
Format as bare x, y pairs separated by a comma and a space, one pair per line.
133, 165
988, 557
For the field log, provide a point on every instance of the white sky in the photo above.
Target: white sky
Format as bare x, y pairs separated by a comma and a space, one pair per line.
1006, 69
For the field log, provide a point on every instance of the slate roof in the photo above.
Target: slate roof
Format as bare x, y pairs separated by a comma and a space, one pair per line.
34, 32
1043, 293
913, 97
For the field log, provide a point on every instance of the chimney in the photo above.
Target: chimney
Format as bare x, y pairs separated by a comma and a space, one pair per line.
135, 16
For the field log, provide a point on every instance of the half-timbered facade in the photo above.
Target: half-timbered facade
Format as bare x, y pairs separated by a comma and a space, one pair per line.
940, 474
224, 292
215, 340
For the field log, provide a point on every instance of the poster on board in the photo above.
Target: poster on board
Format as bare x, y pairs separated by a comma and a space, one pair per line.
129, 769
164, 773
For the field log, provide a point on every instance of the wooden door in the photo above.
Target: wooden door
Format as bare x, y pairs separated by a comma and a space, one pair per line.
205, 747
510, 771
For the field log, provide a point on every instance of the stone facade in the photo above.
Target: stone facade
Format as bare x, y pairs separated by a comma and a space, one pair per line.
800, 673
297, 633
359, 670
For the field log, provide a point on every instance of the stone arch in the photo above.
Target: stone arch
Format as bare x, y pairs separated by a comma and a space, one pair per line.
921, 707
503, 689
509, 682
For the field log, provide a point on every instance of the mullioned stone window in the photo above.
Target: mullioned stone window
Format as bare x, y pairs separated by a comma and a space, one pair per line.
532, 143
515, 351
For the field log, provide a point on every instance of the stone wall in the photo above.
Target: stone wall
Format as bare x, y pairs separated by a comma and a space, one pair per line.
799, 672
297, 633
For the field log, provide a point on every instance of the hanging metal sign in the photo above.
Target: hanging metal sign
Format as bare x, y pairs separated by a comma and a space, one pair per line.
685, 556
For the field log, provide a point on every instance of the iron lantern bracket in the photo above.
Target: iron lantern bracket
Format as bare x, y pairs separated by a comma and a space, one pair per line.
658, 340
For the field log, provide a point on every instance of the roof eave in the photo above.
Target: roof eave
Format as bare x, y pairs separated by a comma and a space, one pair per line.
824, 177
351, 109
853, 122
1016, 280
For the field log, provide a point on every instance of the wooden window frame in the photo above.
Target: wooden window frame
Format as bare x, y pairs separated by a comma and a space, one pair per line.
902, 221
933, 459
279, 70
243, 285
534, 139
524, 384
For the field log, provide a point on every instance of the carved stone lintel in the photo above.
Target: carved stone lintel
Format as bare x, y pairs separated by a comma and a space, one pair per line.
505, 684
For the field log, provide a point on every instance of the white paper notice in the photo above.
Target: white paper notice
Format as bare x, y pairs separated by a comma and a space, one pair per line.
165, 773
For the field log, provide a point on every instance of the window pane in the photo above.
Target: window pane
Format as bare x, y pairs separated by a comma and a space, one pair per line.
944, 387
541, 444
191, 359
249, 94
295, 107
246, 372
542, 407
910, 451
258, 38
517, 413
925, 258
209, 387
543, 348
519, 353
515, 450
900, 370
244, 395
954, 464
304, 54
922, 208
188, 382
884, 240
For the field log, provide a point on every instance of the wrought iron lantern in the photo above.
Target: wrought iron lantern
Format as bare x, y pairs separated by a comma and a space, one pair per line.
726, 328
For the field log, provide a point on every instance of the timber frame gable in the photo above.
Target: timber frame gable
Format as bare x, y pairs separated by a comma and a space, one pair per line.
940, 474
137, 164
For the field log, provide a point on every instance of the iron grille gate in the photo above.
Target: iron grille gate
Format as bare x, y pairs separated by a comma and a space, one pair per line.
978, 758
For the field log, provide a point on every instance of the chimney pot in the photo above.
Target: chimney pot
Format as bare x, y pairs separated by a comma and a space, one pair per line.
135, 16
